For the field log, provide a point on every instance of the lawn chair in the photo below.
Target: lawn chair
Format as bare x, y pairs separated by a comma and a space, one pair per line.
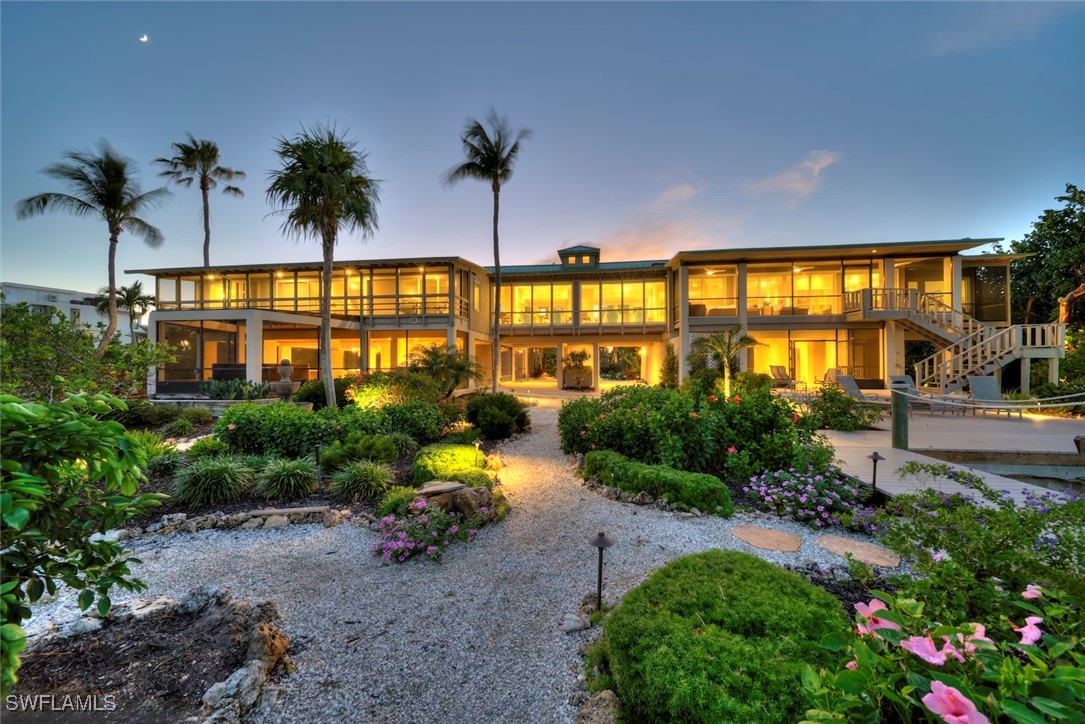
987, 395
830, 376
906, 384
780, 377
849, 385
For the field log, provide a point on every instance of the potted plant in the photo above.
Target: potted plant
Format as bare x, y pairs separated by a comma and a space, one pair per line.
576, 369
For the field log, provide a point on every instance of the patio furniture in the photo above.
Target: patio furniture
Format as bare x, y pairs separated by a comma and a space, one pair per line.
987, 395
781, 378
829, 378
928, 402
849, 385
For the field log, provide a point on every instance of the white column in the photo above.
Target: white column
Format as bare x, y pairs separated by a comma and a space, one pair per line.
1053, 371
152, 372
683, 324
595, 376
1026, 374
955, 283
254, 347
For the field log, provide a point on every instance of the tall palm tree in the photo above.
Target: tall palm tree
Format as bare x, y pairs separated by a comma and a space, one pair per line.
720, 350
105, 185
323, 186
198, 160
490, 156
132, 299
446, 365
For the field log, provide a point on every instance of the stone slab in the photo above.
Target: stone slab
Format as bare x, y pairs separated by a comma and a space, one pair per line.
291, 511
767, 538
869, 553
439, 487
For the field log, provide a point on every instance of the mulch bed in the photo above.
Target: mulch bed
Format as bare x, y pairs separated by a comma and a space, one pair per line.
156, 668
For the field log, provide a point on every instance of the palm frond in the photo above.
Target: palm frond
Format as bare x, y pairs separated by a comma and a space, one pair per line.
39, 204
151, 236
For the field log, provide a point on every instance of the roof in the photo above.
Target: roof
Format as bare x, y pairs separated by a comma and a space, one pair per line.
831, 251
302, 266
580, 249
562, 269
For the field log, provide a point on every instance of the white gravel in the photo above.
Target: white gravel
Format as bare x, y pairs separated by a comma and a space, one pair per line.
474, 639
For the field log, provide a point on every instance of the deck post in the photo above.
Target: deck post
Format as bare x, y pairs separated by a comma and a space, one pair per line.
899, 416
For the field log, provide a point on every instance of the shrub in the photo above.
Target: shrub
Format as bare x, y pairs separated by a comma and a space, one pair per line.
285, 430
351, 420
313, 391
694, 490
286, 479
235, 389
498, 416
255, 463
834, 409
209, 446
465, 436
395, 501
375, 448
453, 410
405, 444
810, 497
179, 427
361, 480
435, 461
719, 636
426, 530
210, 480
380, 389
747, 383
166, 463
52, 455
669, 375
421, 420
472, 477
197, 415
152, 444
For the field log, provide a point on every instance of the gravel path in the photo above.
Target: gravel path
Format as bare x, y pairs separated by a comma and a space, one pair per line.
474, 639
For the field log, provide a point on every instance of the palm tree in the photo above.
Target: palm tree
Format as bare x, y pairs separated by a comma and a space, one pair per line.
322, 186
720, 350
447, 365
134, 300
491, 156
199, 161
104, 185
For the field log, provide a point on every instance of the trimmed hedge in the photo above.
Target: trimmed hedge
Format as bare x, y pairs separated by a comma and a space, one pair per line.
719, 636
436, 462
498, 416
291, 431
694, 490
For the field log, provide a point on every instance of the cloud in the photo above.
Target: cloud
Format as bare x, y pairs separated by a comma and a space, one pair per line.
982, 27
800, 180
675, 195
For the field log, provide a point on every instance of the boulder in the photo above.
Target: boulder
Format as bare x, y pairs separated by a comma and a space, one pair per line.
252, 523
461, 500
267, 644
600, 708
643, 498
575, 622
276, 521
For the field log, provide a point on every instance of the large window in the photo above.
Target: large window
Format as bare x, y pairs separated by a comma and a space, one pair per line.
541, 304
713, 291
806, 287
391, 349
637, 302
985, 293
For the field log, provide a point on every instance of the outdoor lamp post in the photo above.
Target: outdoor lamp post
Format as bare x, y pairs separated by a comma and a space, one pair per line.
875, 457
600, 541
477, 444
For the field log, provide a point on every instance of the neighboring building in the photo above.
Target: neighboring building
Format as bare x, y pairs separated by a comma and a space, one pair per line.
854, 308
79, 307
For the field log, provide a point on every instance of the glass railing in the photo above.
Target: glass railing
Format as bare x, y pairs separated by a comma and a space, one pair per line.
713, 307
655, 315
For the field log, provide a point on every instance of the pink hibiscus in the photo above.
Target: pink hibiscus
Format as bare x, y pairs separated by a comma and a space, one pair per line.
952, 706
1032, 591
1030, 633
873, 621
966, 643
924, 648
851, 665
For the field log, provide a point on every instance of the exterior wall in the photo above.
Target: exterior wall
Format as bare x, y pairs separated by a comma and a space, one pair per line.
76, 306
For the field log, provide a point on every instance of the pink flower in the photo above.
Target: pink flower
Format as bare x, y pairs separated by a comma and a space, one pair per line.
795, 417
1030, 633
924, 648
966, 642
1032, 591
952, 705
737, 399
851, 665
868, 611
711, 398
693, 414
732, 450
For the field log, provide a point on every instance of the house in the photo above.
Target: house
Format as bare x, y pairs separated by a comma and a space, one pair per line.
79, 307
859, 308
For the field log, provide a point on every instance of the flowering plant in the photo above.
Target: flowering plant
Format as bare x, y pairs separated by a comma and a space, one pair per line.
819, 499
902, 666
427, 530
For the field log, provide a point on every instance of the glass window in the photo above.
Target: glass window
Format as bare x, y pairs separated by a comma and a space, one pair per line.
562, 302
713, 291
768, 288
167, 293
985, 290
655, 302
817, 288
188, 292
589, 302
585, 260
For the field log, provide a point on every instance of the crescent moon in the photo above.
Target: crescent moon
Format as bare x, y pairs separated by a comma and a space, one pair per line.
144, 38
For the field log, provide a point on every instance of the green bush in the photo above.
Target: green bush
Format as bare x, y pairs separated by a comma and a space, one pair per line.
498, 416
235, 389
313, 391
694, 490
255, 463
380, 389
351, 420
752, 382
361, 480
834, 409
405, 444
395, 501
284, 479
142, 415
165, 463
209, 446
179, 427
285, 430
197, 415
719, 636
435, 461
150, 441
466, 436
421, 420
210, 480
472, 477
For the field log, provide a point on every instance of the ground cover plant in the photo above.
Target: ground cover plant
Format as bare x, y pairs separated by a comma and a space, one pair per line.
719, 636
436, 462
210, 479
209, 446
361, 480
289, 430
424, 531
235, 390
284, 479
685, 490
819, 499
376, 448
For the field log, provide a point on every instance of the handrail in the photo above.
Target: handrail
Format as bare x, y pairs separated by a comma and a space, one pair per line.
981, 349
927, 307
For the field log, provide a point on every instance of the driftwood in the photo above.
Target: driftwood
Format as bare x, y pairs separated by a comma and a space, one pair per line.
1066, 304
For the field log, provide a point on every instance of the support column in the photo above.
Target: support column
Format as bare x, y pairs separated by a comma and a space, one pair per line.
1053, 371
254, 347
560, 371
152, 372
1026, 374
596, 364
683, 323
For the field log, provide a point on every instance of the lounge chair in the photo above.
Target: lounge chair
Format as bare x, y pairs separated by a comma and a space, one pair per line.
987, 395
780, 377
922, 400
830, 376
849, 385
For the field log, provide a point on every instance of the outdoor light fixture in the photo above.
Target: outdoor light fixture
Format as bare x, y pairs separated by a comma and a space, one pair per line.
875, 457
477, 444
600, 541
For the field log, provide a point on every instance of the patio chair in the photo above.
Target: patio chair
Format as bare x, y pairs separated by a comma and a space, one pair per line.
987, 395
829, 378
849, 385
780, 377
927, 402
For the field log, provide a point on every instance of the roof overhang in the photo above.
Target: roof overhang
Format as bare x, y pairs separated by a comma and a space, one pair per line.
305, 266
829, 251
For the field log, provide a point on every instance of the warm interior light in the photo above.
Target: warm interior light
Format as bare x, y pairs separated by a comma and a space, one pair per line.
210, 276
710, 272
278, 274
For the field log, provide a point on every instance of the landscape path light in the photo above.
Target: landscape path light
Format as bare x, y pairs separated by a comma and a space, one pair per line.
600, 541
875, 457
477, 444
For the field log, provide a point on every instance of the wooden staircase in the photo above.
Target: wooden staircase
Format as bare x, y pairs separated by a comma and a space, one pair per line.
968, 346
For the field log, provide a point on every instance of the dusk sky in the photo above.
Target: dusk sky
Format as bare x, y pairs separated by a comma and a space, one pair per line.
658, 127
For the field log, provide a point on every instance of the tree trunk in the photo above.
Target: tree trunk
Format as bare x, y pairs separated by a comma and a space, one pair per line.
107, 337
206, 224
131, 327
326, 320
1066, 304
497, 291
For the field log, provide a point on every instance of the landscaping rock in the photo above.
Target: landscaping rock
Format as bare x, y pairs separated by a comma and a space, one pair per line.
333, 518
79, 627
438, 487
600, 708
276, 521
268, 644
199, 598
465, 501
643, 498
766, 538
575, 622
139, 608
252, 523
870, 553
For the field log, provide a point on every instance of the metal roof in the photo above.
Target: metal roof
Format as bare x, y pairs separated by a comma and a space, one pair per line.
579, 269
304, 266
580, 249
830, 251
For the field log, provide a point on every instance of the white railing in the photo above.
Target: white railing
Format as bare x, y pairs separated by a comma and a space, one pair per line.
983, 348
918, 305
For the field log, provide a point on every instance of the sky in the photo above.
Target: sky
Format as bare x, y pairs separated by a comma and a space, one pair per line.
657, 127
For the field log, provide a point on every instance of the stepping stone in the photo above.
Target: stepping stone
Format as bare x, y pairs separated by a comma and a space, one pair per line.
439, 487
767, 538
869, 553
